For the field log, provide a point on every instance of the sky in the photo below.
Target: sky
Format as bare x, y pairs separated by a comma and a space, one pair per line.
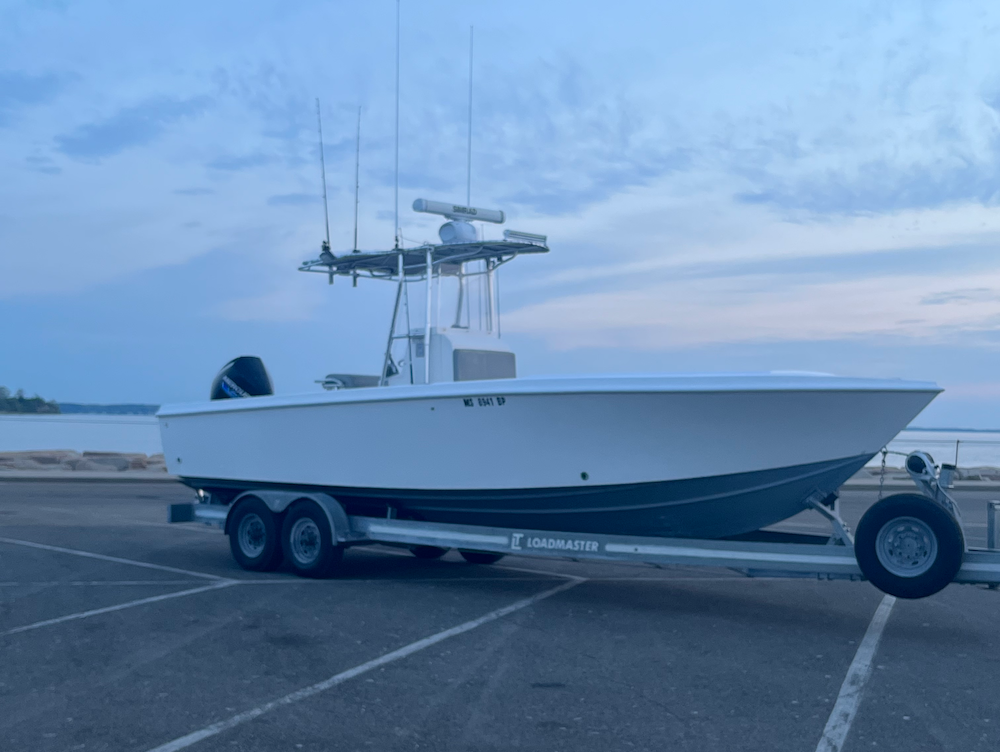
726, 186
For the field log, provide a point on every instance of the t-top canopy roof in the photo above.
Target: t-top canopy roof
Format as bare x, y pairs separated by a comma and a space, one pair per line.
447, 257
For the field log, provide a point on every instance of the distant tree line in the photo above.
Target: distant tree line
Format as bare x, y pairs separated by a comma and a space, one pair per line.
18, 403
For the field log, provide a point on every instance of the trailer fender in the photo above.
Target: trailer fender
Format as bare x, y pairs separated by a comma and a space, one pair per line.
279, 501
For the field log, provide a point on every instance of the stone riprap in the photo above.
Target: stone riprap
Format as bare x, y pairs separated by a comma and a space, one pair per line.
70, 461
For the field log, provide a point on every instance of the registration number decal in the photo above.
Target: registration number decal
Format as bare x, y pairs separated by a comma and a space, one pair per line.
484, 401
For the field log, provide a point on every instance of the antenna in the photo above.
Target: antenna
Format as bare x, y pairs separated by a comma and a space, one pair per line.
395, 229
322, 165
468, 183
357, 180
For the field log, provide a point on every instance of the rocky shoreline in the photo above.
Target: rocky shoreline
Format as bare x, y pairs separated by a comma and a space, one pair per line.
68, 461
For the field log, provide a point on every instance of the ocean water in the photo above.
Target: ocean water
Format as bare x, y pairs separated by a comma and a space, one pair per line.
80, 432
140, 433
972, 448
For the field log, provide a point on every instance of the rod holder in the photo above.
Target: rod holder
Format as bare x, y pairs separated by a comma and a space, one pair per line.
993, 525
946, 477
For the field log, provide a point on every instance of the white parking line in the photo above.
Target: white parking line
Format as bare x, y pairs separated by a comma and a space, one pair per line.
102, 557
191, 527
115, 583
119, 607
302, 694
543, 572
424, 580
352, 580
686, 578
853, 688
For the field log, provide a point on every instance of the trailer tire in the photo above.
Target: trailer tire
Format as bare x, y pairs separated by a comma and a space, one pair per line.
253, 536
480, 557
428, 552
909, 546
308, 543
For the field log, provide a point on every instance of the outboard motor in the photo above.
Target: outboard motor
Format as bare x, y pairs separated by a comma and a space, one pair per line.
242, 377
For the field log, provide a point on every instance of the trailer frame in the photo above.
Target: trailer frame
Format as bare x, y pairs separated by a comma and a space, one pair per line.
763, 554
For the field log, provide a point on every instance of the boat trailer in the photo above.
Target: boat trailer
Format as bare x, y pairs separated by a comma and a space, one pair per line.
909, 545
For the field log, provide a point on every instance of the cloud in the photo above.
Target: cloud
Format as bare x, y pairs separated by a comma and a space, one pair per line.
43, 164
893, 118
293, 199
673, 227
699, 270
137, 125
234, 163
552, 136
19, 89
280, 101
290, 302
568, 189
882, 185
968, 295
677, 314
726, 174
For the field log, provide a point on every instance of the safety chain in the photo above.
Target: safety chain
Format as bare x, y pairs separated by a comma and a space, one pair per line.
881, 477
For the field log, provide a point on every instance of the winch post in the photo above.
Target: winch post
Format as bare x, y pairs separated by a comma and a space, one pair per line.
924, 474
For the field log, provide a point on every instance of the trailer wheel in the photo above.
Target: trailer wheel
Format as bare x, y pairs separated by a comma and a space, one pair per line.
909, 546
253, 536
307, 541
480, 557
428, 552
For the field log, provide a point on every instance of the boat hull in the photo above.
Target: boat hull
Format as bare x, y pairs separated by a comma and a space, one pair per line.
713, 507
700, 457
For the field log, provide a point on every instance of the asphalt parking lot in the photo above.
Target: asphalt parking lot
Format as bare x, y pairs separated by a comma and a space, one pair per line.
120, 632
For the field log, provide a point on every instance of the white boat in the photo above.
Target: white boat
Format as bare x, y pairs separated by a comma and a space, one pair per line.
448, 433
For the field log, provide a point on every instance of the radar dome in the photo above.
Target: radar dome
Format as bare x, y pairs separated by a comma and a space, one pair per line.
457, 231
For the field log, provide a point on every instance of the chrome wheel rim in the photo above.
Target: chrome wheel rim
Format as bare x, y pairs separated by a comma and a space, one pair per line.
906, 547
252, 535
305, 541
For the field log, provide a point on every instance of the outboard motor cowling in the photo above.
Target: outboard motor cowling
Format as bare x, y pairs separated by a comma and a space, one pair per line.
242, 377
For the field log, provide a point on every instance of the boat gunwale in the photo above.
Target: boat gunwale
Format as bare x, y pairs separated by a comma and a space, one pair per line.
564, 386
